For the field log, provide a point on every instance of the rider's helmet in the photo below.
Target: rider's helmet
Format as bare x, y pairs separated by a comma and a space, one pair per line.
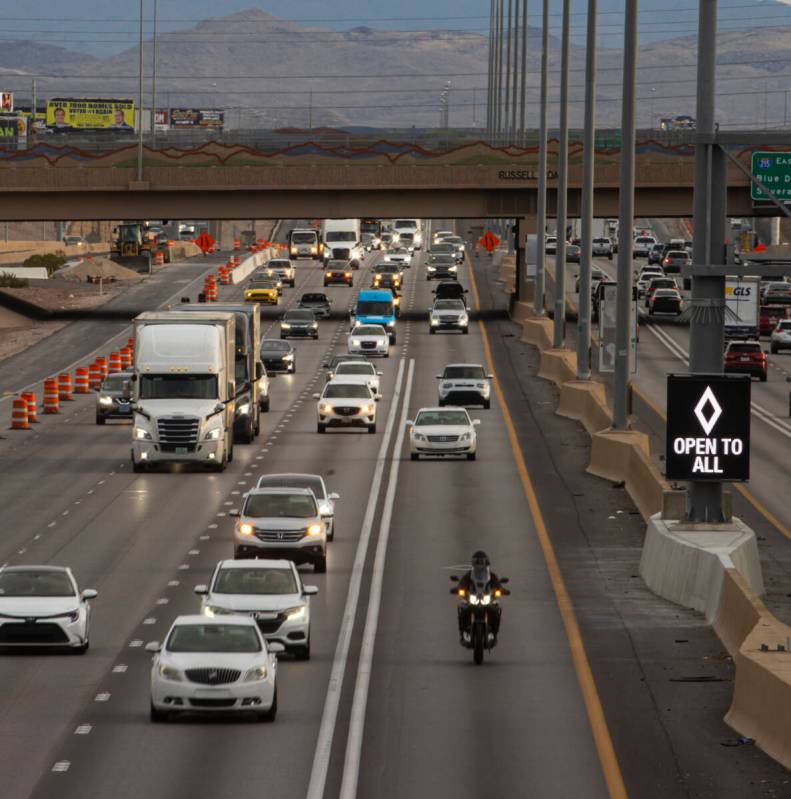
480, 559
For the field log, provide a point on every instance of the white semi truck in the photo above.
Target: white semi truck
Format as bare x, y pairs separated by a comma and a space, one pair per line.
183, 389
342, 241
742, 304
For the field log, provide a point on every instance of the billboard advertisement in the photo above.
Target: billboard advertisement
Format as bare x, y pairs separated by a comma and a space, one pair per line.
12, 127
90, 114
161, 119
196, 118
6, 102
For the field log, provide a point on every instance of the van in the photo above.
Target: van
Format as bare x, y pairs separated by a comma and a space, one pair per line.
376, 307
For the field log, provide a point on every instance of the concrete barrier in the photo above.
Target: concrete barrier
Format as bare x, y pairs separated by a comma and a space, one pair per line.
586, 402
183, 249
739, 611
558, 365
250, 264
538, 332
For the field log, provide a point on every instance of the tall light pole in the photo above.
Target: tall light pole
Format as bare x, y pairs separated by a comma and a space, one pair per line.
516, 74
490, 77
154, 74
508, 36
523, 93
499, 72
140, 99
559, 327
541, 199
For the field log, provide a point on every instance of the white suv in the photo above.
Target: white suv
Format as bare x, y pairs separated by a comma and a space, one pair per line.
344, 404
465, 384
271, 591
781, 336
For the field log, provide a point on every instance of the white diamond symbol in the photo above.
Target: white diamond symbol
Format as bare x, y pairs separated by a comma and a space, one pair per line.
708, 397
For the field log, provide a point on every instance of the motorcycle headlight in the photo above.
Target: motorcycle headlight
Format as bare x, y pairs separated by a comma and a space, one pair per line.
169, 673
473, 599
486, 599
215, 434
141, 434
105, 401
297, 614
256, 674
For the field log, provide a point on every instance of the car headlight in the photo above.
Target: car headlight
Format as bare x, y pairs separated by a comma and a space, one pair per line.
169, 673
288, 357
370, 408
434, 320
71, 616
294, 250
447, 386
142, 434
285, 326
431, 268
215, 610
256, 674
326, 407
329, 274
355, 342
105, 400
418, 436
464, 319
245, 528
391, 323
396, 301
315, 529
465, 437
269, 272
315, 325
215, 434
297, 614
452, 268
312, 250
243, 409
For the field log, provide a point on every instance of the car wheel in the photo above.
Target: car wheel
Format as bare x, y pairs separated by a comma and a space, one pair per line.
321, 428
331, 535
158, 716
82, 648
763, 377
138, 468
487, 404
102, 420
271, 714
413, 456
470, 456
320, 565
372, 428
265, 405
772, 349
465, 330
303, 653
431, 331
387, 355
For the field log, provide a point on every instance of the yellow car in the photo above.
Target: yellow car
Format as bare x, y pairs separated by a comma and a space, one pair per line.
267, 294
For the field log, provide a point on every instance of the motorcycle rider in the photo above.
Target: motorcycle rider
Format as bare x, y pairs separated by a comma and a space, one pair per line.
479, 574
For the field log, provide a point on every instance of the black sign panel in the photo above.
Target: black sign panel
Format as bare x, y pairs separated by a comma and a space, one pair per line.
708, 427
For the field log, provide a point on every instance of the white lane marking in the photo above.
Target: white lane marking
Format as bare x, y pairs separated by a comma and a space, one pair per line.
119, 669
194, 552
83, 729
174, 583
163, 600
51, 524
61, 766
150, 620
213, 527
204, 537
184, 567
104, 696
136, 643
329, 716
354, 741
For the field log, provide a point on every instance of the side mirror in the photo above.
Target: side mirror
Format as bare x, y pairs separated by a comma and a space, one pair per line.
153, 646
275, 648
410, 423
310, 590
234, 512
377, 397
317, 396
476, 422
490, 377
379, 372
454, 578
334, 496
89, 593
201, 590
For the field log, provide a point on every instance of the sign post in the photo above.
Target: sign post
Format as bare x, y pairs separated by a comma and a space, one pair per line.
708, 427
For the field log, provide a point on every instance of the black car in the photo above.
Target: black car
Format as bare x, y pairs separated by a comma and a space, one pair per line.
665, 301
316, 302
113, 398
338, 272
441, 267
450, 290
278, 356
300, 322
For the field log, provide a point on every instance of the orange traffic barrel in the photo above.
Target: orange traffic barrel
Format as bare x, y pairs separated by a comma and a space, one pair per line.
237, 243
159, 258
94, 375
126, 358
82, 382
102, 363
19, 420
115, 362
32, 412
51, 396
130, 342
237, 260
65, 390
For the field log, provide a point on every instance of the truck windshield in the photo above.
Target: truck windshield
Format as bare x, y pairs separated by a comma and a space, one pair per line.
178, 387
340, 235
303, 238
375, 308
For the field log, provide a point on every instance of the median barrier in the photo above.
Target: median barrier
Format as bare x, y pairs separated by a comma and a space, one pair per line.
538, 332
558, 365
586, 402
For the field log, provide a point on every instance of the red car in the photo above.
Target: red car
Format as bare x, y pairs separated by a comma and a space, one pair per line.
746, 357
770, 316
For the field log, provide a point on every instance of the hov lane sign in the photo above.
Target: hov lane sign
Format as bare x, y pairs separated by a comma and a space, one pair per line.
708, 427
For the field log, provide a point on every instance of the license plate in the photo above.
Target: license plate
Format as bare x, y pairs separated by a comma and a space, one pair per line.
180, 450
212, 693
744, 358
266, 616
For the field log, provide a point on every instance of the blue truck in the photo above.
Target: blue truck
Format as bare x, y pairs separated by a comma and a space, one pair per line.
376, 307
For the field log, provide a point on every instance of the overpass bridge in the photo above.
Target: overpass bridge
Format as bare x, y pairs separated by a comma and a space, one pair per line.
294, 174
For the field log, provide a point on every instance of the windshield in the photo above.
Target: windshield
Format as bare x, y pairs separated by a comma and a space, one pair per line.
441, 260
407, 236
313, 482
369, 330
336, 359
281, 264
178, 387
303, 238
355, 369
464, 373
314, 298
678, 254
426, 418
213, 638
114, 383
275, 344
784, 326
341, 235
346, 391
374, 308
35, 582
449, 305
299, 316
410, 224
254, 580
442, 247
286, 506
454, 240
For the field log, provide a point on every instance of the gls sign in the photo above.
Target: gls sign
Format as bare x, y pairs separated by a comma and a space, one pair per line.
708, 427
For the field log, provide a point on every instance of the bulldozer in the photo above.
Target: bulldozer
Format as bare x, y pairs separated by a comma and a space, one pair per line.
131, 245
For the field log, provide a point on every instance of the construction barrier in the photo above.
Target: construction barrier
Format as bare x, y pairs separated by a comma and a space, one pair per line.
115, 363
19, 419
32, 412
126, 358
51, 396
237, 260
65, 390
94, 375
82, 383
237, 244
159, 258
102, 361
130, 342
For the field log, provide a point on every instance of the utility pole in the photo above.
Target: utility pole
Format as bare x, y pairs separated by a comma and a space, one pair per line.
33, 109
541, 199
563, 161
523, 94
623, 290
499, 101
586, 223
490, 77
507, 113
709, 211
310, 110
513, 139
140, 99
154, 75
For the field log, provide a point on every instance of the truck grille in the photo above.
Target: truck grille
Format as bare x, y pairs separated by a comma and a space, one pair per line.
341, 253
210, 676
280, 536
178, 432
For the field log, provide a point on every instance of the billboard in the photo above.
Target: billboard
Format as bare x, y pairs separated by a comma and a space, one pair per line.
196, 118
161, 119
12, 127
6, 102
90, 114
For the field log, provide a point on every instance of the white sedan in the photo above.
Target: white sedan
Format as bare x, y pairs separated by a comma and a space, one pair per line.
270, 591
441, 432
214, 665
358, 372
343, 404
369, 340
41, 606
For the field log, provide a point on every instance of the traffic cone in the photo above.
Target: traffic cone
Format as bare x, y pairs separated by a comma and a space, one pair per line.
32, 413
65, 390
115, 362
51, 396
126, 358
19, 420
94, 375
82, 383
102, 362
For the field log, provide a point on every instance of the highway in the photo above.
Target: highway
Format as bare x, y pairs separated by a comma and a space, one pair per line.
389, 705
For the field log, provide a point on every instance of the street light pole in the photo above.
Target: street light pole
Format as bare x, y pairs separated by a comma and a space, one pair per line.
541, 199
586, 223
523, 94
140, 99
154, 73
623, 290
499, 72
559, 325
513, 138
490, 81
507, 113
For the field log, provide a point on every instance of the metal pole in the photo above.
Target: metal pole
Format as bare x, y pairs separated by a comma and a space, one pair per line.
586, 223
140, 99
33, 109
541, 198
154, 74
507, 113
709, 200
499, 124
516, 73
559, 325
623, 301
490, 80
523, 94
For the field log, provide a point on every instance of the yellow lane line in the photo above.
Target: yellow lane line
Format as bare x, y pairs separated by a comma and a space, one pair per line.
593, 706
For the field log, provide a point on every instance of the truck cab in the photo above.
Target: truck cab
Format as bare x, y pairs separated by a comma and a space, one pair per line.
305, 243
376, 307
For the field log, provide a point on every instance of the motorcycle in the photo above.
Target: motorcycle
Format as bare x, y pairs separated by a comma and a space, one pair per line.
479, 604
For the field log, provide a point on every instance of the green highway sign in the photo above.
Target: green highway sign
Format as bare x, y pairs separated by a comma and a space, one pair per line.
773, 170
